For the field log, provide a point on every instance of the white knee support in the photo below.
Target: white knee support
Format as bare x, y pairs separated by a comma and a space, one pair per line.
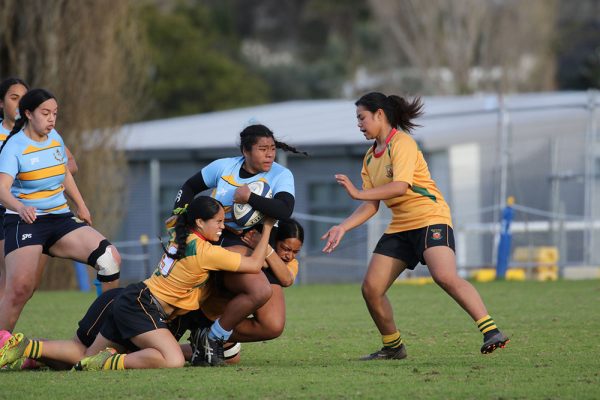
104, 262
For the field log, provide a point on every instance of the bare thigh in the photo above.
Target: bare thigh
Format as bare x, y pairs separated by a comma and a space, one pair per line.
382, 272
79, 244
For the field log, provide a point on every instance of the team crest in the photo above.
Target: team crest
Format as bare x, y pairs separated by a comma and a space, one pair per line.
58, 156
389, 172
436, 234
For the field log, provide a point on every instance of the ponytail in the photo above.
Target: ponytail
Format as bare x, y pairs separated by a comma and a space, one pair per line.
405, 112
287, 147
180, 240
399, 112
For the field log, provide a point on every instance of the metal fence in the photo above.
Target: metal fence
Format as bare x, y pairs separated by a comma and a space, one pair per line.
546, 155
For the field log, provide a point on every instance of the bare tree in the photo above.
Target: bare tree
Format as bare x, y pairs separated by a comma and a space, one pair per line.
90, 55
460, 46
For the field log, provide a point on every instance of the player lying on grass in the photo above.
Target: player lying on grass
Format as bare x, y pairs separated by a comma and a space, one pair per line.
281, 264
142, 312
64, 354
281, 268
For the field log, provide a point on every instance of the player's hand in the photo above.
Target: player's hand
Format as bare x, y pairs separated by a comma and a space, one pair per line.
333, 236
242, 194
251, 238
344, 181
27, 213
84, 214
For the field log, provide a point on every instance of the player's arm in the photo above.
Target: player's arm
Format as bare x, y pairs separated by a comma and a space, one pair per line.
9, 201
71, 163
279, 268
72, 191
277, 265
253, 264
335, 234
280, 206
189, 190
383, 192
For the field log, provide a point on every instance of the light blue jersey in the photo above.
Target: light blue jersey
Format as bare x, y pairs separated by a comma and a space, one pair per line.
3, 132
38, 169
224, 176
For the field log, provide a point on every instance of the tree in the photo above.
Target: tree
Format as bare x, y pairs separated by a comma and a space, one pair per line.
194, 63
461, 46
92, 61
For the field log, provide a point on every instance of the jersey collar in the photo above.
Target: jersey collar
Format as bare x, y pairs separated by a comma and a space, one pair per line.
387, 141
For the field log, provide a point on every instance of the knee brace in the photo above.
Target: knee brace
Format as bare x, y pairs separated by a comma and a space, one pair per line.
104, 262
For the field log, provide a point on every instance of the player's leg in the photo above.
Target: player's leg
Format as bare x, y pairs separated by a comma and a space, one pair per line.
251, 291
267, 323
381, 274
85, 244
441, 261
22, 275
159, 349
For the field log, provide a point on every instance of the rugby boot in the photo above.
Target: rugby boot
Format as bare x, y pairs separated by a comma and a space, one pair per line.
497, 340
387, 353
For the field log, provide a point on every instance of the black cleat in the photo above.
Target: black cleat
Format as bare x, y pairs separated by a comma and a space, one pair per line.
205, 351
387, 353
498, 340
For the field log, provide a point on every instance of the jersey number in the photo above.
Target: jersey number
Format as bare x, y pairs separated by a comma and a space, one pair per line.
166, 263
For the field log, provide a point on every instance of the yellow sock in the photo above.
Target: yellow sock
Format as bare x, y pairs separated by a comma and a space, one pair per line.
115, 362
394, 340
33, 349
486, 324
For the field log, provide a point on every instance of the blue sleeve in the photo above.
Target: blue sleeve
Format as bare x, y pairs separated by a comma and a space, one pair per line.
285, 183
9, 164
213, 171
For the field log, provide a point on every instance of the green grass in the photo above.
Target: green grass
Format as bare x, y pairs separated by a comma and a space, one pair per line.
554, 351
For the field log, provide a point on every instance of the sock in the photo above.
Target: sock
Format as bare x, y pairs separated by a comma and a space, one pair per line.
392, 341
218, 332
487, 326
115, 362
33, 349
4, 336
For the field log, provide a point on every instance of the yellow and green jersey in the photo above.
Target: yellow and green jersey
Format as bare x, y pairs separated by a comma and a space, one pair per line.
182, 283
402, 161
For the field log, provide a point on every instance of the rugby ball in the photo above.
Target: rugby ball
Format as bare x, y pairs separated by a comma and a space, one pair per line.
231, 351
246, 216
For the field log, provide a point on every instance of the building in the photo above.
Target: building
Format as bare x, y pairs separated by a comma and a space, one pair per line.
537, 147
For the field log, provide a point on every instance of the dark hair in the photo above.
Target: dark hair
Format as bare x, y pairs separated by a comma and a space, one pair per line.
399, 111
202, 207
287, 229
5, 85
249, 136
29, 102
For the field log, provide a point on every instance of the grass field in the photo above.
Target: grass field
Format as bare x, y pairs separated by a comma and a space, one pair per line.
554, 351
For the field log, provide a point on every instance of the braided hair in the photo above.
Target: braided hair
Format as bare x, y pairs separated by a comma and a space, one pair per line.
287, 229
29, 102
398, 111
250, 135
202, 207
